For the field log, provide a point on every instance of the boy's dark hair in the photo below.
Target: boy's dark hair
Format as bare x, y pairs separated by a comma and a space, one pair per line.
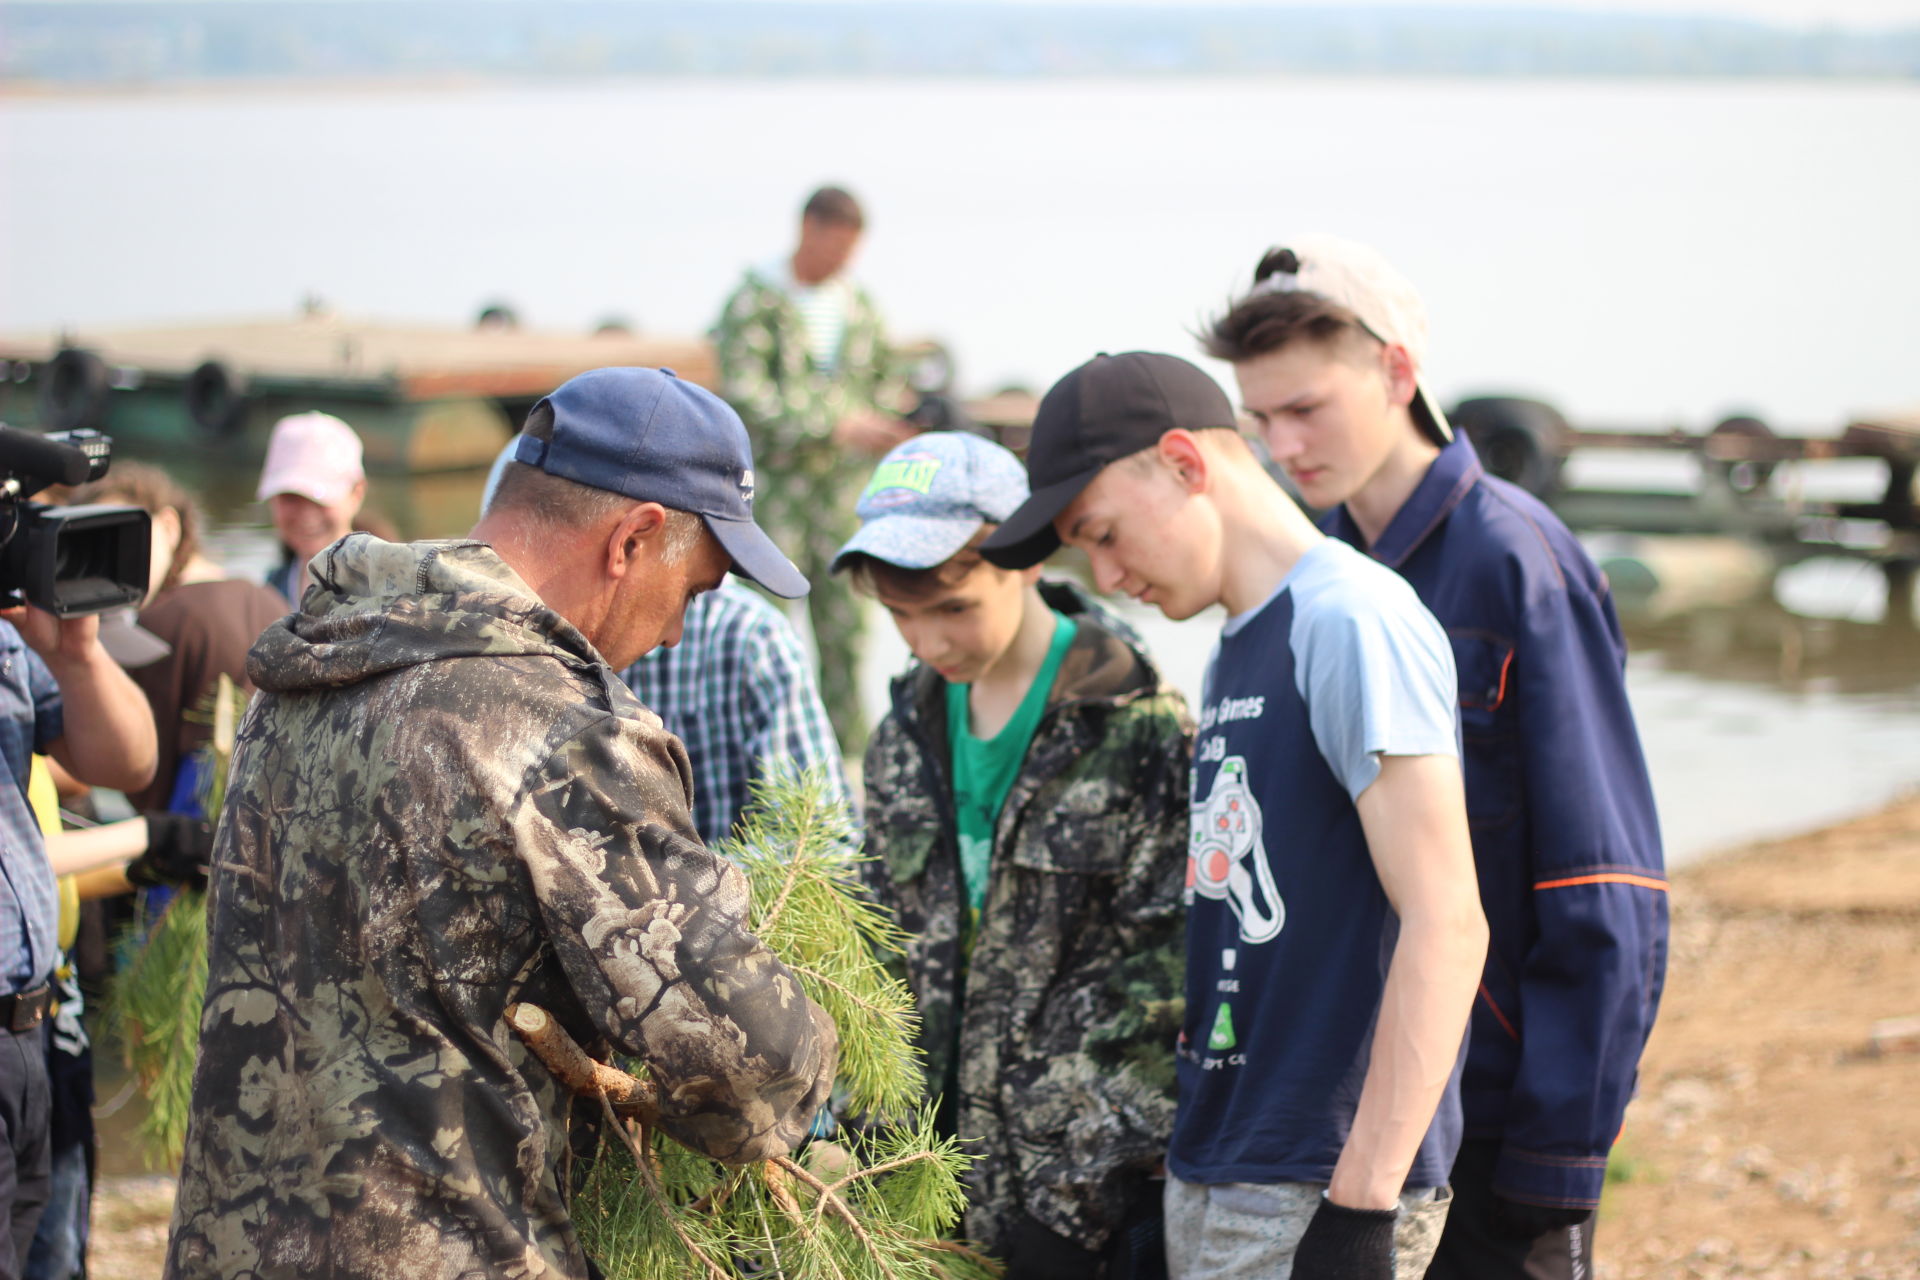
872, 575
834, 207
1265, 322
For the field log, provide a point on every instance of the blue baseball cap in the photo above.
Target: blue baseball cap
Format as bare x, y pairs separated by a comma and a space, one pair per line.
929, 497
650, 435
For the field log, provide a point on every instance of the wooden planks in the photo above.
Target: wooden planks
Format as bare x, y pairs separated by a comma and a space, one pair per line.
410, 362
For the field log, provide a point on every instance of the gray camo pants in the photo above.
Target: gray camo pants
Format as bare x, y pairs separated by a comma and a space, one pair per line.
1248, 1231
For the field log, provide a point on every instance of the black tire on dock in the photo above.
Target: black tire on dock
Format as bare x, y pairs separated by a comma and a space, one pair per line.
216, 398
1522, 441
498, 316
1743, 476
74, 388
930, 370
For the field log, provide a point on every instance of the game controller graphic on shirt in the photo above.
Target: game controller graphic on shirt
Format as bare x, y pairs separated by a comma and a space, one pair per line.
1226, 857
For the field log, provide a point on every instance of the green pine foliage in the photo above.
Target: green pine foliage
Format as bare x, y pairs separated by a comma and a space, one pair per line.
798, 848
155, 1013
879, 1217
154, 1009
874, 1205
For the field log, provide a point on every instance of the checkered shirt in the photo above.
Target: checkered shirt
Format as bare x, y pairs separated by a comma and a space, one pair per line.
739, 692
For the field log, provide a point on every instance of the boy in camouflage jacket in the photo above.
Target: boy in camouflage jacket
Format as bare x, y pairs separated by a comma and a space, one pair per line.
1046, 955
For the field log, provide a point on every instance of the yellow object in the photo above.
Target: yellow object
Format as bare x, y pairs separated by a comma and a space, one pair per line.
45, 801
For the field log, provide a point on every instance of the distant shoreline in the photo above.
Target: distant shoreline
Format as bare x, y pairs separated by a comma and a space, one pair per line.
427, 85
171, 41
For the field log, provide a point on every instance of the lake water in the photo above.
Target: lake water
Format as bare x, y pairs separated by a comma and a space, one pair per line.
1641, 253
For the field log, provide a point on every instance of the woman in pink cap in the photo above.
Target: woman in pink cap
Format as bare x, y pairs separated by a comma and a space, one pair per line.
313, 483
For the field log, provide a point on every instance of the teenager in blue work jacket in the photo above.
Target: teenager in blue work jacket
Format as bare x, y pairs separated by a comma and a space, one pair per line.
1327, 349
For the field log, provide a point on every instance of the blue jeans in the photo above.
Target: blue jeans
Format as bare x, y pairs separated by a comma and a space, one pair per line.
59, 1249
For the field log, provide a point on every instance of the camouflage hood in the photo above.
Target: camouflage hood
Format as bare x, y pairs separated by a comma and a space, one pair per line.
380, 606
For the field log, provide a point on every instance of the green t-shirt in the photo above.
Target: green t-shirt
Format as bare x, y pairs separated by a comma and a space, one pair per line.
984, 768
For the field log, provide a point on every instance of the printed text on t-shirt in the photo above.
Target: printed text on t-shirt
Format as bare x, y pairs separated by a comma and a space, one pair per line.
1228, 710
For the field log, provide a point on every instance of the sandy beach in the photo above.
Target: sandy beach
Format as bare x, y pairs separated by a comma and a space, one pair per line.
1770, 1137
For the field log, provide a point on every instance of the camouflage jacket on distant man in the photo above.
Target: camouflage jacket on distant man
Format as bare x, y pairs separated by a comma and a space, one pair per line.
1057, 1030
443, 802
788, 401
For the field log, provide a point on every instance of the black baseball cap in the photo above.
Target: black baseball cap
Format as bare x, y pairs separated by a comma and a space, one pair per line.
1107, 409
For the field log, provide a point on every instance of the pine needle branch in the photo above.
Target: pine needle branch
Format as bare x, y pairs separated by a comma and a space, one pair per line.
810, 905
829, 1199
156, 1001
650, 1179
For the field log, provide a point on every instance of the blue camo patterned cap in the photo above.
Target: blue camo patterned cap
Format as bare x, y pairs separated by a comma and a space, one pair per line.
929, 497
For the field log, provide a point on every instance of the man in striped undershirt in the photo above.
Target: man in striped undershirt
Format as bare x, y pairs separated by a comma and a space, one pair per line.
804, 361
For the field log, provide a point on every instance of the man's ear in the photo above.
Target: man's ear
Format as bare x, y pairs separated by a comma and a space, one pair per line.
631, 533
1182, 455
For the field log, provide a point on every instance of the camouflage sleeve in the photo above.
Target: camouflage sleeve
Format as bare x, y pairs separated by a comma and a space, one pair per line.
651, 931
876, 831
784, 407
882, 378
1149, 912
1155, 875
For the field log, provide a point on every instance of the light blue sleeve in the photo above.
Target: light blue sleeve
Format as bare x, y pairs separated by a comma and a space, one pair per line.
1376, 673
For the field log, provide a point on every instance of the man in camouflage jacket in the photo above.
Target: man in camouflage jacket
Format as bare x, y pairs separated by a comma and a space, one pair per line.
819, 412
1052, 1042
444, 801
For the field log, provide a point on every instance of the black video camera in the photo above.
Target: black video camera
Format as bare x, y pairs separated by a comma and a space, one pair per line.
67, 560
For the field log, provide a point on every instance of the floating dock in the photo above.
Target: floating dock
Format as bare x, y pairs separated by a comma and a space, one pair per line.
1529, 443
423, 398
429, 399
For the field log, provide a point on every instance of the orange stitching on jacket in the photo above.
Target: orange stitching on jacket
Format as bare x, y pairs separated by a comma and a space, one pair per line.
1645, 882
1488, 997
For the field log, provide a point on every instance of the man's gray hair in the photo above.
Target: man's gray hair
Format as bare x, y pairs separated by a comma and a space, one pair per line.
683, 533
558, 504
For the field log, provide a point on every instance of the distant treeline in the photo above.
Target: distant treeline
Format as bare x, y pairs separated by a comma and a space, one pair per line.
158, 41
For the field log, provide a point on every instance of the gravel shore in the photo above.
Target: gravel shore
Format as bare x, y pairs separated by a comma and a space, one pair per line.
1771, 1137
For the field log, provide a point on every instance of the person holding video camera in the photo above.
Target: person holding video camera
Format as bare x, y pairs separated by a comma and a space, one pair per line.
62, 695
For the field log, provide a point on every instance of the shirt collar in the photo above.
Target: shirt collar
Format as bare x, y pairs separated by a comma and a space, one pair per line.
1447, 481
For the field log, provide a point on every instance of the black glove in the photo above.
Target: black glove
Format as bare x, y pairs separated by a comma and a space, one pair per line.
1035, 1251
1346, 1244
1531, 1221
178, 850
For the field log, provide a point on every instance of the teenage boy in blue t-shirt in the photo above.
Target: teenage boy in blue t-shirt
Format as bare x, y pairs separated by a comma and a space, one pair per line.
1327, 348
1334, 936
1027, 817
